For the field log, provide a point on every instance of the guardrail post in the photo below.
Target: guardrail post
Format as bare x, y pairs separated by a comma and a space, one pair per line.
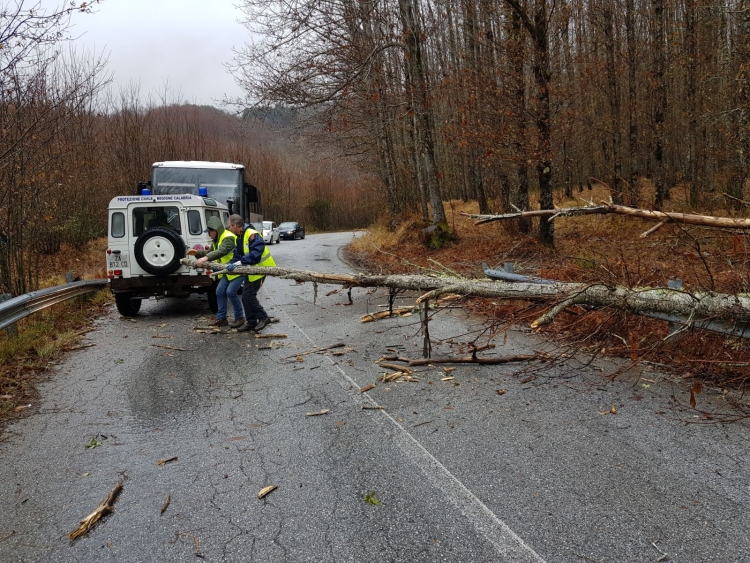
508, 267
12, 330
69, 277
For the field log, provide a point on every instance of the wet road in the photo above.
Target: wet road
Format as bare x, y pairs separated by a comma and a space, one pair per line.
461, 472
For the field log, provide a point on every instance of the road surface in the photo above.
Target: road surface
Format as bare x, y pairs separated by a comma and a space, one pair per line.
517, 463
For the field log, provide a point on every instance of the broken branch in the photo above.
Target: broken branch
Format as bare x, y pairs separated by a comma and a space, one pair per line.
474, 360
105, 507
316, 350
666, 216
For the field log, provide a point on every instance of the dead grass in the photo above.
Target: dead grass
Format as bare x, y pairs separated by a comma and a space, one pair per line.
595, 248
44, 337
86, 263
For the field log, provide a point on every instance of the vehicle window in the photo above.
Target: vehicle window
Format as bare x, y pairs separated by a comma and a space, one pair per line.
287, 226
267, 225
194, 222
117, 230
149, 217
213, 213
257, 226
224, 219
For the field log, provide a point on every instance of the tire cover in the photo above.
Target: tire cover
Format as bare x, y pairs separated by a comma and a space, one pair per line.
159, 251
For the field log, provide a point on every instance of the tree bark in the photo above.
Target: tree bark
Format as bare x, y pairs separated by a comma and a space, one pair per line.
637, 300
743, 101
660, 183
538, 30
417, 83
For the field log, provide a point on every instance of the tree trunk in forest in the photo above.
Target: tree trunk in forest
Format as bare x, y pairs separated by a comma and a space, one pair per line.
633, 171
473, 99
538, 30
520, 195
661, 190
691, 93
613, 93
417, 83
743, 99
543, 74
569, 72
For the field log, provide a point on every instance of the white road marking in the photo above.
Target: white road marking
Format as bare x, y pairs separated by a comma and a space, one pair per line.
507, 543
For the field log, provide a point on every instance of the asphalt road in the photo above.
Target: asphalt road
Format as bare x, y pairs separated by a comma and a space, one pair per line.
517, 463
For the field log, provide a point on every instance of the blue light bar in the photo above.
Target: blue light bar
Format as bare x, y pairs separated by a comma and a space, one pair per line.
145, 191
203, 191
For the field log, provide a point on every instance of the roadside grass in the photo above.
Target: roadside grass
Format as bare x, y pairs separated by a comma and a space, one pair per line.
44, 337
605, 249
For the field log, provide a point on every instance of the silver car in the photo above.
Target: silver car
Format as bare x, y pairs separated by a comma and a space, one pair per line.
270, 232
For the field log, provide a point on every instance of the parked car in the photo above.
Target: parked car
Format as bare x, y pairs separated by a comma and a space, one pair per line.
271, 232
292, 230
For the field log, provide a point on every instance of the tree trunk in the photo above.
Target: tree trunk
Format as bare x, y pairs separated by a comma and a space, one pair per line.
520, 195
613, 93
743, 99
638, 300
661, 190
417, 73
542, 77
633, 172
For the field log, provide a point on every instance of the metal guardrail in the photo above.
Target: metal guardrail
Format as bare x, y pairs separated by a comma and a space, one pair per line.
16, 308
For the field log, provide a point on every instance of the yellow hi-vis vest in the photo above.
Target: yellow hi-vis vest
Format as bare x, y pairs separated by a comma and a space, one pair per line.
227, 257
266, 260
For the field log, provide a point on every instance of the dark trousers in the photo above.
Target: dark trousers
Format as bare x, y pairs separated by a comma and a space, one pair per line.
253, 310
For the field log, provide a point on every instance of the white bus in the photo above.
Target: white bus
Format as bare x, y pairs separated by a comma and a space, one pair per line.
225, 183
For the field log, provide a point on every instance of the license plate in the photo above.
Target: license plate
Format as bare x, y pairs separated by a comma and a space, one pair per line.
117, 261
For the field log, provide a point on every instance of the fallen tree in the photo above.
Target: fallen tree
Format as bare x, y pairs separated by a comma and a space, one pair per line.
604, 208
694, 307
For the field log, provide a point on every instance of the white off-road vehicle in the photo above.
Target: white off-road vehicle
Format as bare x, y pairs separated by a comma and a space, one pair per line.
147, 236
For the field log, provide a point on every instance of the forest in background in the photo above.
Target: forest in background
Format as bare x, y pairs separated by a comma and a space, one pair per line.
505, 102
69, 142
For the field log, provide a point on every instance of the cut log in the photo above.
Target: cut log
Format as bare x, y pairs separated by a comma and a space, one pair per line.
693, 306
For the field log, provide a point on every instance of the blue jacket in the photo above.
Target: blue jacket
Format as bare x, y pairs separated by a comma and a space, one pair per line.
253, 254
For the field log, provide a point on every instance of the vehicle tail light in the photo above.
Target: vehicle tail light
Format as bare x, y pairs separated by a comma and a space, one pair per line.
206, 247
109, 251
109, 274
117, 272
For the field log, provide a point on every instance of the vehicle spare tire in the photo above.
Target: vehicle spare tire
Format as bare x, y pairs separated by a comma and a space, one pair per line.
159, 251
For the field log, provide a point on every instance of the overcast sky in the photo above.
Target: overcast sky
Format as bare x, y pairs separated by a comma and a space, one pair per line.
180, 43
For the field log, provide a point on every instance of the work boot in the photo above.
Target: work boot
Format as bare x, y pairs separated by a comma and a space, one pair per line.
237, 323
219, 322
262, 323
247, 325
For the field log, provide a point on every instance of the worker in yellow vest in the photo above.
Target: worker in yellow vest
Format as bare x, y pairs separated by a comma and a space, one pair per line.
222, 250
250, 250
